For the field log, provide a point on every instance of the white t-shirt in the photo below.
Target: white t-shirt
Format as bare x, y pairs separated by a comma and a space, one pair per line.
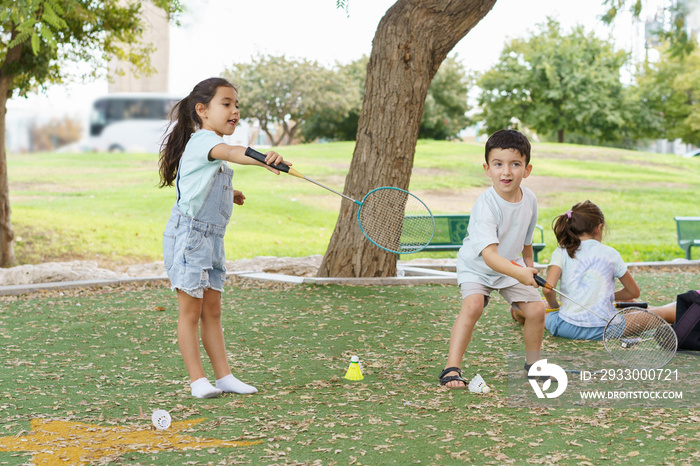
493, 220
197, 171
589, 279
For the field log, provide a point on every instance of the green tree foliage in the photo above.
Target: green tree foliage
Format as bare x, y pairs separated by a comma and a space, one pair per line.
285, 93
671, 91
444, 115
40, 40
446, 107
674, 26
556, 84
341, 126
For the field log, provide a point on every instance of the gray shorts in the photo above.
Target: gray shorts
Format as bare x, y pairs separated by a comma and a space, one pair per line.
514, 294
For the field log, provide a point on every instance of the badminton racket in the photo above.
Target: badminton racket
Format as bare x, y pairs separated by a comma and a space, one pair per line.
390, 218
633, 336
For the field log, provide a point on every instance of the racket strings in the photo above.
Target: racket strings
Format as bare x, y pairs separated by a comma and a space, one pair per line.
396, 220
640, 339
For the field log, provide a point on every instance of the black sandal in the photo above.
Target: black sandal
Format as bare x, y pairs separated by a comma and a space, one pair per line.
444, 378
541, 378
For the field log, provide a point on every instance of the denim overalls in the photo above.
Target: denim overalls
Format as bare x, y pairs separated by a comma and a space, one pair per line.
193, 247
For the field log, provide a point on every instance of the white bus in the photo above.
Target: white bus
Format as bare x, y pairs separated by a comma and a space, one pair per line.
130, 122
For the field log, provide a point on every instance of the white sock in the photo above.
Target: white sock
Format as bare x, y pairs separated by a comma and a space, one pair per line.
230, 384
201, 388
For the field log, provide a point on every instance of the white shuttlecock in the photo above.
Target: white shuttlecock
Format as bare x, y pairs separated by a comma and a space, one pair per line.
357, 360
161, 419
477, 385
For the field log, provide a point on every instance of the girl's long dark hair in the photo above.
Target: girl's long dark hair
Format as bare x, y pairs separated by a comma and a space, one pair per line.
186, 121
583, 218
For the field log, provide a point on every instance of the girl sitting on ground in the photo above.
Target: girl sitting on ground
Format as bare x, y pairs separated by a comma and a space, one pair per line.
587, 269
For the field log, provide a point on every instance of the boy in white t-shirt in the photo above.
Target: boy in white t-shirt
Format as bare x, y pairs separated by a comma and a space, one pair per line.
500, 232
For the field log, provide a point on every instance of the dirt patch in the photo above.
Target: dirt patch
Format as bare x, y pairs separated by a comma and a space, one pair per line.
541, 185
429, 172
450, 201
459, 202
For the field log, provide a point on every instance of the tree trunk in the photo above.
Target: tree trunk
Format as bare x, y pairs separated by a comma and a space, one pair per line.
560, 135
412, 40
7, 253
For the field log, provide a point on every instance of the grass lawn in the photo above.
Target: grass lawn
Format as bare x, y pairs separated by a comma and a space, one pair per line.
84, 369
106, 207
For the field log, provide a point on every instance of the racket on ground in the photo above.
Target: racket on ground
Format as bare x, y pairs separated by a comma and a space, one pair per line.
391, 218
640, 339
633, 336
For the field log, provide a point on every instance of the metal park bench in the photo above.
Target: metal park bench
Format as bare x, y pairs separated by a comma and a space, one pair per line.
451, 229
688, 233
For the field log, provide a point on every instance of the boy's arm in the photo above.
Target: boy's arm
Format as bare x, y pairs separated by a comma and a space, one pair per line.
498, 263
528, 255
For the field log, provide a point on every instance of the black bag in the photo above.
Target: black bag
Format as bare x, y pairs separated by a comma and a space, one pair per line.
687, 326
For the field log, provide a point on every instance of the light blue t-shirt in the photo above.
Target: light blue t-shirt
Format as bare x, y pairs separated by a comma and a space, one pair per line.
197, 171
589, 279
493, 220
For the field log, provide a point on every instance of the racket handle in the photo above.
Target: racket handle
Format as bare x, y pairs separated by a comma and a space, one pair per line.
542, 282
539, 280
631, 304
260, 157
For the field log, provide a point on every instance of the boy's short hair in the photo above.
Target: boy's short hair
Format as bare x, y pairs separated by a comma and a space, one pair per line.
508, 139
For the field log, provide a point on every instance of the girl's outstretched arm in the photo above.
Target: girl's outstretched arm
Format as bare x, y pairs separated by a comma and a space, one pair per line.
236, 154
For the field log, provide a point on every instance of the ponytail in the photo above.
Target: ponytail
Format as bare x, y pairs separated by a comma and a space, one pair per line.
175, 142
184, 121
582, 219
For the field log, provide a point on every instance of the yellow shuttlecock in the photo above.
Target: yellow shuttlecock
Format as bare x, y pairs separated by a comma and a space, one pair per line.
354, 372
547, 308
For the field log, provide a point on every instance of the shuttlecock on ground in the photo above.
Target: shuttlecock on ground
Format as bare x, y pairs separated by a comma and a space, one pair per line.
354, 371
477, 385
161, 419
547, 307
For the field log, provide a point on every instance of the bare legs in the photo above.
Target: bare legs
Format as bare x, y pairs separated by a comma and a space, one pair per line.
472, 307
206, 310
461, 334
533, 329
667, 312
204, 314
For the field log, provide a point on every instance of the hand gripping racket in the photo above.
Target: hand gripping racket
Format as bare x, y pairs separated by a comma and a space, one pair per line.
391, 218
633, 336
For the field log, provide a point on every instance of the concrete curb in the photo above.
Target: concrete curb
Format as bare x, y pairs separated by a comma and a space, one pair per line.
35, 287
425, 273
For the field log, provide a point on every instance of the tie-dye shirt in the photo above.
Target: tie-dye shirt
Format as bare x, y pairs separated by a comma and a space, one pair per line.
588, 279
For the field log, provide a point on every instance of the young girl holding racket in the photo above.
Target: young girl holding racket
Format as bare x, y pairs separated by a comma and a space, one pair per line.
587, 270
193, 157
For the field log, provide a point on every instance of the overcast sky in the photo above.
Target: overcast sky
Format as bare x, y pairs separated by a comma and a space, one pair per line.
217, 33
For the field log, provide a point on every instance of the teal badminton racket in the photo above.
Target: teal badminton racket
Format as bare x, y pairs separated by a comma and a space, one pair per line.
392, 219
